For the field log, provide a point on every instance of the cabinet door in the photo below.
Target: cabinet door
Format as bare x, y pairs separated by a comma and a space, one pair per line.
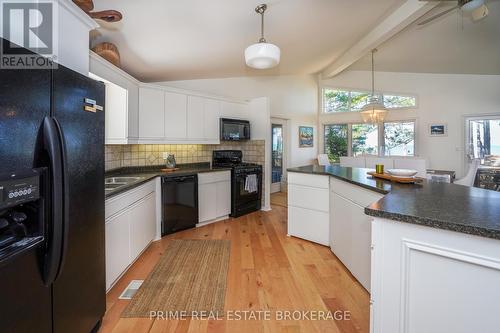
195, 118
151, 113
223, 194
142, 224
117, 248
212, 114
116, 114
308, 224
351, 238
175, 115
207, 202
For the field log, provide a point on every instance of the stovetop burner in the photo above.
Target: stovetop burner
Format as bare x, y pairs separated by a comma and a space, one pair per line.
230, 159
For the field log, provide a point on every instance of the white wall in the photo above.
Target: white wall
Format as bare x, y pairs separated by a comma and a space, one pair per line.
294, 98
442, 98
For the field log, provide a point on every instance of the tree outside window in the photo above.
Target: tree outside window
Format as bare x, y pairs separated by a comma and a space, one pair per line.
399, 139
336, 141
364, 139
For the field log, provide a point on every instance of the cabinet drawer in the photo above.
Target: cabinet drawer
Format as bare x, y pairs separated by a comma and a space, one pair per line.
358, 195
308, 197
124, 200
214, 177
309, 224
318, 181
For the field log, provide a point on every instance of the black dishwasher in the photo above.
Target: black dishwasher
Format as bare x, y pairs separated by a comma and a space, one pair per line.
179, 196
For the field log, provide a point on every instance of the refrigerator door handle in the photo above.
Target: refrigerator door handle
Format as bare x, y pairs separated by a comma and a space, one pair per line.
57, 242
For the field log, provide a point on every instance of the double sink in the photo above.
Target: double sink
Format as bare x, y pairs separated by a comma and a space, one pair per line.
114, 183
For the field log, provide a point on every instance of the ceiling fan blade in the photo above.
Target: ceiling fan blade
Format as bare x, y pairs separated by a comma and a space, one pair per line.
438, 15
480, 13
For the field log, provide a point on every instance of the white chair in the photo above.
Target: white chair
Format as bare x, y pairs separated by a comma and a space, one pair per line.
418, 164
353, 162
323, 159
387, 162
469, 178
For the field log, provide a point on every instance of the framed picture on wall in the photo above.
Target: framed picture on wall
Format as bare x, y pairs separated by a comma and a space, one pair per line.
438, 129
306, 137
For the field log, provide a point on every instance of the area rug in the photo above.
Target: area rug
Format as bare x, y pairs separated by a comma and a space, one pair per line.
190, 278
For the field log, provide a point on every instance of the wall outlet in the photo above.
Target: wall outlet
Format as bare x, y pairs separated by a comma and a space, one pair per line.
165, 155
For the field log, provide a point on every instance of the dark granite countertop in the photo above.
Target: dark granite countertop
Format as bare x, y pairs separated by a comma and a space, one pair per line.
148, 173
452, 207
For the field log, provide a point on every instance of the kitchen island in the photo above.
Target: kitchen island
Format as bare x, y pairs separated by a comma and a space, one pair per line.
429, 253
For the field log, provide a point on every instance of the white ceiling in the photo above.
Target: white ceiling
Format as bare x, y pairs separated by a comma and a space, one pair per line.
163, 40
449, 44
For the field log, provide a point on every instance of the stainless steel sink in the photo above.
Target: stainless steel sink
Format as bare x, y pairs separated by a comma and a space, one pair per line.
113, 186
113, 183
122, 180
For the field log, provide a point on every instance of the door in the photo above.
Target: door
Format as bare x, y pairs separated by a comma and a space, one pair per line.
79, 291
483, 143
278, 151
25, 303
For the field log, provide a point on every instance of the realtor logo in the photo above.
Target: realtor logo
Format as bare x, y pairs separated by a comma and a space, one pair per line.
29, 32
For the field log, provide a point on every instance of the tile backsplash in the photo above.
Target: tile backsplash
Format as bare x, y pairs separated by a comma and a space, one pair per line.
118, 156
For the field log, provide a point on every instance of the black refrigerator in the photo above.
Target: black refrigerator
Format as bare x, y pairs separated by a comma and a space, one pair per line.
52, 267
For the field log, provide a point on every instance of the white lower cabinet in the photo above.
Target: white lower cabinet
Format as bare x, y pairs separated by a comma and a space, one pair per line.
308, 207
142, 228
350, 228
130, 226
431, 280
117, 246
214, 195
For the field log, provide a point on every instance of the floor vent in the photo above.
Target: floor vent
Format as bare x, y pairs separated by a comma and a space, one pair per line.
131, 289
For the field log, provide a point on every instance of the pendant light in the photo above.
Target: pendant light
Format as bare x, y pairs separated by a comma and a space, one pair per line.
374, 111
262, 55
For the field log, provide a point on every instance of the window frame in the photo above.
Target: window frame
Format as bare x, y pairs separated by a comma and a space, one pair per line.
350, 90
467, 119
381, 136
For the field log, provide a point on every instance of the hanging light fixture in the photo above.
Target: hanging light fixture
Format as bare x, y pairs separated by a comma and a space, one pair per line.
262, 55
374, 111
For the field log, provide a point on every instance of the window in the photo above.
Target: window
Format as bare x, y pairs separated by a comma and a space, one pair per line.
338, 100
399, 138
336, 141
483, 140
364, 139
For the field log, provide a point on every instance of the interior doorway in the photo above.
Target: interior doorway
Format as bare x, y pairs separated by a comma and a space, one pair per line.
278, 153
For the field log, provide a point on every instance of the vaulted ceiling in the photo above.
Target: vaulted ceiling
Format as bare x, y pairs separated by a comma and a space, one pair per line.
170, 40
450, 44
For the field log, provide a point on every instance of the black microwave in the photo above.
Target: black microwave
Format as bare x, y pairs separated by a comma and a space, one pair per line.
234, 129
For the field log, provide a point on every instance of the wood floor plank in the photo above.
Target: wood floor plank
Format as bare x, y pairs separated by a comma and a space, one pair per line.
268, 271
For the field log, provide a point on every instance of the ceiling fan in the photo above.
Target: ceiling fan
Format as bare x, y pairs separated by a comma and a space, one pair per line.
476, 8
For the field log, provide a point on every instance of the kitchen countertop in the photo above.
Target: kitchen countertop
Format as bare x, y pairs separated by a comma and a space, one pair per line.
452, 207
150, 172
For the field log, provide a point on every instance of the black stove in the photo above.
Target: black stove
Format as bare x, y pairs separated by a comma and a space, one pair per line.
244, 198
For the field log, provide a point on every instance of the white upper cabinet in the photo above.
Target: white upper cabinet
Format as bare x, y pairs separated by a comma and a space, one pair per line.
212, 119
175, 116
116, 128
196, 118
172, 116
151, 113
122, 101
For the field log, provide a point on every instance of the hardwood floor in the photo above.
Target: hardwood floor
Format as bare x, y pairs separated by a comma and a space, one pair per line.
279, 199
268, 271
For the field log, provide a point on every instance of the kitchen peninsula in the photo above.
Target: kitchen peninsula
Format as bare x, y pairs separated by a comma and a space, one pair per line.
407, 244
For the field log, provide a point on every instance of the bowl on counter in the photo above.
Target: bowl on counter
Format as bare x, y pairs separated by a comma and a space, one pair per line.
405, 173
